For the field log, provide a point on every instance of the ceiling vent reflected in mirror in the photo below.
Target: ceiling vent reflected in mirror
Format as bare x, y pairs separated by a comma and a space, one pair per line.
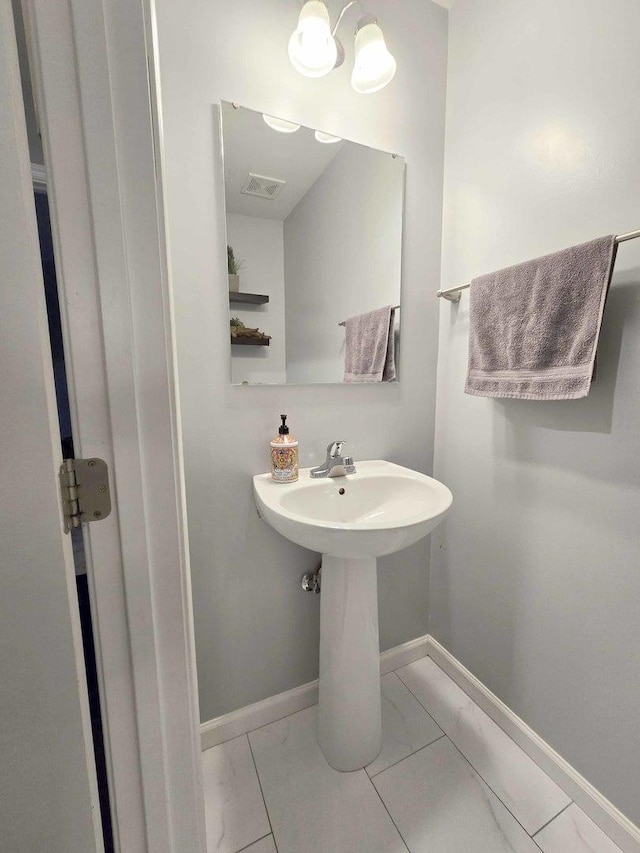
262, 187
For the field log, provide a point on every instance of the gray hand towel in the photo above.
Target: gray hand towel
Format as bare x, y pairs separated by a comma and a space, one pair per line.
534, 327
370, 347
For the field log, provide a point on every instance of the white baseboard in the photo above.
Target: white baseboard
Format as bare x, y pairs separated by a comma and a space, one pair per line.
275, 708
404, 654
251, 717
601, 811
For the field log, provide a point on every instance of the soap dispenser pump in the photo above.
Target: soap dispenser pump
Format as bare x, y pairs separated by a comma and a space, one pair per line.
284, 455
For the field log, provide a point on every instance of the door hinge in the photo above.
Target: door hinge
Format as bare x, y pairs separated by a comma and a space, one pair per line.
84, 488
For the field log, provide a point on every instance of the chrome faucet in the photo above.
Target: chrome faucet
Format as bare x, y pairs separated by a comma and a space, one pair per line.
335, 465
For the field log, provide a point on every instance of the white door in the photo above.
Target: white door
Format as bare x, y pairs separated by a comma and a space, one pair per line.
48, 795
90, 66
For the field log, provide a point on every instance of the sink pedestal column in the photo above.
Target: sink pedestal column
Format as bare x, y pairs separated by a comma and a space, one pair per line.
349, 718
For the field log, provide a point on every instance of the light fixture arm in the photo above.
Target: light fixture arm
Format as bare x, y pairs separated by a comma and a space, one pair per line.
342, 14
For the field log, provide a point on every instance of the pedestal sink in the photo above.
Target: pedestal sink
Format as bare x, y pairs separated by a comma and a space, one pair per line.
352, 521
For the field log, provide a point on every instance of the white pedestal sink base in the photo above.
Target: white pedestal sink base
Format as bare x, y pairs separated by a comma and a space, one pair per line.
349, 718
379, 510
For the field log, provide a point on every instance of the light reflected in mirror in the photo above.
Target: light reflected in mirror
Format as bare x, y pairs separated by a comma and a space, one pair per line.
314, 236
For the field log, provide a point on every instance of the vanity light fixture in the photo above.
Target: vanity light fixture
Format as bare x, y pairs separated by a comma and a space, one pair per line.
327, 138
314, 49
374, 66
280, 124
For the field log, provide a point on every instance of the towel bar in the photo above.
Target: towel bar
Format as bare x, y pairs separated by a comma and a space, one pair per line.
453, 293
393, 308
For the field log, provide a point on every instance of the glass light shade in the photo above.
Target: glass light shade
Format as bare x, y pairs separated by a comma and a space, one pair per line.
374, 66
312, 49
327, 138
280, 124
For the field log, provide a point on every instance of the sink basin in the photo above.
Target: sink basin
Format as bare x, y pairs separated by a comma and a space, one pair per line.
351, 521
378, 510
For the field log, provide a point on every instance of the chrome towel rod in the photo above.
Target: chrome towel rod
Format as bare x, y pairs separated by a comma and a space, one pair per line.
453, 293
393, 308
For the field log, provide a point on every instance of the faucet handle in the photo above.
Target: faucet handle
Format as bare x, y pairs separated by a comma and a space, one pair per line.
334, 449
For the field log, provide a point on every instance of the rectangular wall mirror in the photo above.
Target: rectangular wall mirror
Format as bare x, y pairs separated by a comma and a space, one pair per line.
314, 236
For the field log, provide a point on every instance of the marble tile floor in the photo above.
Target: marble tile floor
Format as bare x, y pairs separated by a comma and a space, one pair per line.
448, 780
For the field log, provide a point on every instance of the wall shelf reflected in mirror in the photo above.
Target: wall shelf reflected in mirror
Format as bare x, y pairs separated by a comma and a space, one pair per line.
248, 298
250, 342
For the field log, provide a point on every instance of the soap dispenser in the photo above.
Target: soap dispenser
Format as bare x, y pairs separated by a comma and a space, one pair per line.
284, 455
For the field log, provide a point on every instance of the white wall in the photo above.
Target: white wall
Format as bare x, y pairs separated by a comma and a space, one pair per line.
258, 243
256, 631
336, 264
535, 579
